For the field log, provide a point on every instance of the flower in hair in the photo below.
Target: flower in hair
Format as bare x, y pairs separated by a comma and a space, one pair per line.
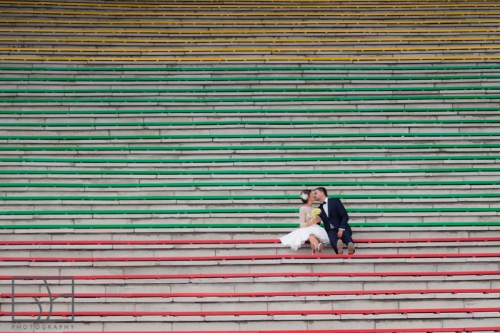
304, 196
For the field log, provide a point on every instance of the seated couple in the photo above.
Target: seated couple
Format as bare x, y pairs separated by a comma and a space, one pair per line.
336, 230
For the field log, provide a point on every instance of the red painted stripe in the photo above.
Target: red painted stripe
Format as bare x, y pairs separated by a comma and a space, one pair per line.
252, 313
237, 241
267, 274
380, 330
255, 257
267, 294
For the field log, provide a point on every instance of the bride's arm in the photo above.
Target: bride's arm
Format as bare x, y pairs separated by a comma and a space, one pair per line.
314, 221
302, 217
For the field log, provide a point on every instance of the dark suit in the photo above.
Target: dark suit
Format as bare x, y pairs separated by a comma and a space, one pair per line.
337, 218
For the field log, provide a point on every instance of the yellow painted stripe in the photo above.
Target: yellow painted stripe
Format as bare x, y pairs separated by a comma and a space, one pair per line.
245, 40
256, 58
255, 49
258, 23
299, 1
251, 14
247, 31
247, 6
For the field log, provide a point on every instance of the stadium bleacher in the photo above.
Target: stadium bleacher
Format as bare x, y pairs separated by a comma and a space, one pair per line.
152, 153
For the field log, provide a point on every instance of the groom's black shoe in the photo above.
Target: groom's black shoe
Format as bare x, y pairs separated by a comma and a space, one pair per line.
340, 244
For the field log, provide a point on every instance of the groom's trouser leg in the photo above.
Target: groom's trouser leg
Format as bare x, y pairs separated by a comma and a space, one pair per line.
347, 237
332, 235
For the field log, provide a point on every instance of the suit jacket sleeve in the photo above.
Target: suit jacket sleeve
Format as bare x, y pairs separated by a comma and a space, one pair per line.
343, 213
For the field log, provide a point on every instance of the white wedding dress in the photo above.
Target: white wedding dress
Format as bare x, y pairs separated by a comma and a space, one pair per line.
298, 237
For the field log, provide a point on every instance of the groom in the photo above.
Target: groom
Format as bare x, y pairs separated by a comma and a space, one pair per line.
335, 219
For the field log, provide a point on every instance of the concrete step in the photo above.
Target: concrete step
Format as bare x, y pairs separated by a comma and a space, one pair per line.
278, 326
208, 115
327, 81
95, 203
201, 154
236, 233
362, 142
348, 287
352, 208
132, 251
194, 220
276, 323
431, 137
96, 194
278, 178
162, 72
283, 89
230, 128
156, 272
246, 304
157, 267
252, 117
231, 166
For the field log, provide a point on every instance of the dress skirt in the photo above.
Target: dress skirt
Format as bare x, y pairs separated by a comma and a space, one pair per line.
298, 237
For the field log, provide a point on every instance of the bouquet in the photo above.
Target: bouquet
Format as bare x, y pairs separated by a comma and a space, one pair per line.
315, 212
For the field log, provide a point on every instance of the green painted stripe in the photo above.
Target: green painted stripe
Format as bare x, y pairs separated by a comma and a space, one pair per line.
245, 89
249, 68
241, 226
255, 122
245, 172
240, 211
256, 183
250, 159
248, 78
155, 99
258, 111
255, 198
223, 148
249, 136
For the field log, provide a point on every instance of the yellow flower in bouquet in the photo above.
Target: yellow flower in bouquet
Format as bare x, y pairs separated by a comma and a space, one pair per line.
315, 212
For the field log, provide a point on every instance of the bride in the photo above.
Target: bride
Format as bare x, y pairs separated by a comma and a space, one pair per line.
309, 229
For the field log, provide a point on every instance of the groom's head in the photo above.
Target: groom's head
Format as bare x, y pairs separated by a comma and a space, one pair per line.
320, 194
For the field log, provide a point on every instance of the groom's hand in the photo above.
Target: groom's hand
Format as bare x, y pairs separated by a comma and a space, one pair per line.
340, 233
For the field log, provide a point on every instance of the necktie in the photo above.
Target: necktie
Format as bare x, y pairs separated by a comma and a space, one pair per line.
323, 205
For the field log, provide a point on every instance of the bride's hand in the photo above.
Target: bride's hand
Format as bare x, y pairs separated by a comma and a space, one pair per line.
315, 220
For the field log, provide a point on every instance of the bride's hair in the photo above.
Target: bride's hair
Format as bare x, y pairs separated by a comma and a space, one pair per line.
304, 195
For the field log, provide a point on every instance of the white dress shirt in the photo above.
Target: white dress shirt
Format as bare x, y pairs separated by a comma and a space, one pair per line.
325, 206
